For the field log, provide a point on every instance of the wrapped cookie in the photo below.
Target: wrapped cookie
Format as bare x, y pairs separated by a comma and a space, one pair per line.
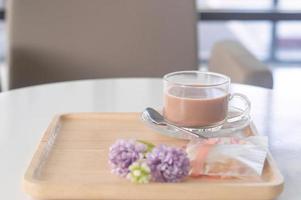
228, 157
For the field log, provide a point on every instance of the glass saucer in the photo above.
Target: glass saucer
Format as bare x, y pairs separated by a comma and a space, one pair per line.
227, 129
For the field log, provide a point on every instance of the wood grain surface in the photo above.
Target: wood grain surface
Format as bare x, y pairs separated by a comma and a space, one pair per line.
71, 162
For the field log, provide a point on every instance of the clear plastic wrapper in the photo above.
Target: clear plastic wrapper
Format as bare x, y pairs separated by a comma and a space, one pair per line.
228, 157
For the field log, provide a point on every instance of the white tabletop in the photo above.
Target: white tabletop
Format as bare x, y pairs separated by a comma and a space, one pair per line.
25, 114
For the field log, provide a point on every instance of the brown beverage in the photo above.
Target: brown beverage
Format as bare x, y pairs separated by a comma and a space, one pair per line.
195, 106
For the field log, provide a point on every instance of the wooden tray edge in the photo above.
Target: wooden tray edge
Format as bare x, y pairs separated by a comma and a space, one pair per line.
29, 184
280, 179
37, 189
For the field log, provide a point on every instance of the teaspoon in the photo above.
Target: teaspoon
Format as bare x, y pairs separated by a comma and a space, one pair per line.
156, 118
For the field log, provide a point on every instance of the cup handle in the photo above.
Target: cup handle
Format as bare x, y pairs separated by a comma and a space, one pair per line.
244, 111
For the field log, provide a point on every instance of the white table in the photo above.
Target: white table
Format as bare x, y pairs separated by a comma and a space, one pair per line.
25, 114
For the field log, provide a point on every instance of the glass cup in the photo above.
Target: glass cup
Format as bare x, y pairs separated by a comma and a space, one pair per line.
200, 100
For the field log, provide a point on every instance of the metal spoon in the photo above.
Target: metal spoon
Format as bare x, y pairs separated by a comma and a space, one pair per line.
158, 119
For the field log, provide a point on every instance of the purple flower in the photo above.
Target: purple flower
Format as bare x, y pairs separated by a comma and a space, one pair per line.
168, 164
123, 153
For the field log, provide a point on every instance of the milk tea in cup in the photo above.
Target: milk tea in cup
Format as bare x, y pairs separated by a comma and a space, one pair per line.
195, 99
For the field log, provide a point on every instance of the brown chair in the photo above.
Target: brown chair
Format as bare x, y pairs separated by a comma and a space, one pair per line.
231, 58
59, 40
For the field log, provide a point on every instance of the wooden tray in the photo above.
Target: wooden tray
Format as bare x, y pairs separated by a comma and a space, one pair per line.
71, 162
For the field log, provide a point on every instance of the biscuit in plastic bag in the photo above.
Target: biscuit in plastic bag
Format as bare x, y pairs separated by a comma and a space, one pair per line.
228, 157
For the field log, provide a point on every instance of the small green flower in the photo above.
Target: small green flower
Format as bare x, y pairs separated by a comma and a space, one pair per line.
149, 145
139, 172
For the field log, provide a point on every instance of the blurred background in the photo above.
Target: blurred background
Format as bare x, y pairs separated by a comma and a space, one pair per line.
269, 29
